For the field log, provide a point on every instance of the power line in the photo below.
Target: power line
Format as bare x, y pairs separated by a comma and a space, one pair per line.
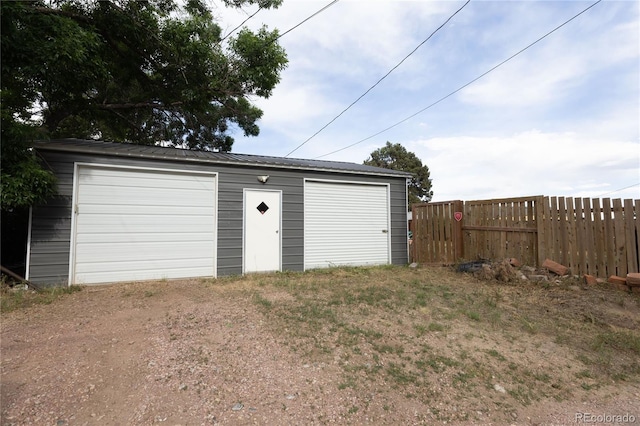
305, 20
618, 190
290, 29
379, 81
463, 86
284, 33
241, 24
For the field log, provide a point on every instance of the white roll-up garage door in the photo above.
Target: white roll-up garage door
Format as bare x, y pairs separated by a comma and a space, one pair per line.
345, 224
142, 224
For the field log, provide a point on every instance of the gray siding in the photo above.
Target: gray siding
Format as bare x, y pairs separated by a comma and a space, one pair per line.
51, 223
51, 228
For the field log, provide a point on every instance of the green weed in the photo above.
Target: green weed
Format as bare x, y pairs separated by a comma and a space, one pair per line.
12, 299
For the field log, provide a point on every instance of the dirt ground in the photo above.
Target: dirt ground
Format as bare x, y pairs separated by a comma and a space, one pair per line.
192, 353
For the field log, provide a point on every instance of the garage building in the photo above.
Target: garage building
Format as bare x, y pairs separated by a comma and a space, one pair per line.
130, 212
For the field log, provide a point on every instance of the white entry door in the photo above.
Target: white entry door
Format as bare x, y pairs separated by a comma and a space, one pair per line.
262, 230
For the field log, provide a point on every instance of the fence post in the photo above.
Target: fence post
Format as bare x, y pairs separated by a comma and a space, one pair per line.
458, 240
541, 209
412, 242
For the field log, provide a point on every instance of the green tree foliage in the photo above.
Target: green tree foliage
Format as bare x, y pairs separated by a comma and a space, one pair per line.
396, 157
131, 71
24, 182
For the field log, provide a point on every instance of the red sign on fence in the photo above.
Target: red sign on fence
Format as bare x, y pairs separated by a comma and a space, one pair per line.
457, 216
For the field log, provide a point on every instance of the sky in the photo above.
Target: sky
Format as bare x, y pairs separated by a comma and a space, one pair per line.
561, 118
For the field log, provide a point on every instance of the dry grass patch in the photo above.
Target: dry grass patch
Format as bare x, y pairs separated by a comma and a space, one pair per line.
19, 297
431, 331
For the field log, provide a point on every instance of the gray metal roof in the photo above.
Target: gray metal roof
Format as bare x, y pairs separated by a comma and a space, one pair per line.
175, 154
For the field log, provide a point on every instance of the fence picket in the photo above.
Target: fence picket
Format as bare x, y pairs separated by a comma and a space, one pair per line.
563, 230
590, 254
598, 235
630, 236
618, 225
610, 237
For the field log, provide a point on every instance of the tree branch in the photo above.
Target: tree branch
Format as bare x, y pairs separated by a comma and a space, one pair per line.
131, 124
138, 105
59, 12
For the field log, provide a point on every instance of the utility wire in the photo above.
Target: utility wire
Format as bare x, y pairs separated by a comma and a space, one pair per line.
379, 81
290, 29
316, 13
464, 86
618, 190
241, 24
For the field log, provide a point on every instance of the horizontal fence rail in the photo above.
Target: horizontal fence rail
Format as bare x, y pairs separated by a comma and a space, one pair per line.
599, 237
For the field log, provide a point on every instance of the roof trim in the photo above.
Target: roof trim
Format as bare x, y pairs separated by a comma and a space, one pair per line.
118, 149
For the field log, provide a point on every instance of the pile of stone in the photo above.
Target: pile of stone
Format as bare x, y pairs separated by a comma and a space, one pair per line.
508, 270
511, 270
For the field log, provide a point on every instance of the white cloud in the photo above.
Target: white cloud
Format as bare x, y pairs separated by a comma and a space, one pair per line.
529, 163
561, 62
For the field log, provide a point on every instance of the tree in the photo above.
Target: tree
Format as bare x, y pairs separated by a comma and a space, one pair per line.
24, 182
396, 157
130, 71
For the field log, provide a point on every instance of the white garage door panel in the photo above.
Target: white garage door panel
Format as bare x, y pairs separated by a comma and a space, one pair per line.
123, 178
139, 266
137, 224
97, 252
139, 275
151, 197
120, 175
152, 221
172, 237
180, 210
346, 224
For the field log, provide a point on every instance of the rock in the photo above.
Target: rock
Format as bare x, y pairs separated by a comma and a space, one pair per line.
633, 279
514, 262
539, 278
504, 272
237, 407
589, 279
499, 388
555, 267
413, 265
614, 279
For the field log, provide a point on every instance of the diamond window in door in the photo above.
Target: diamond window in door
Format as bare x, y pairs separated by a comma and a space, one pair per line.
262, 208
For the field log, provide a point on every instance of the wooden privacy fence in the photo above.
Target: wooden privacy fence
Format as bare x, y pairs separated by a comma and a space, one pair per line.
590, 236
